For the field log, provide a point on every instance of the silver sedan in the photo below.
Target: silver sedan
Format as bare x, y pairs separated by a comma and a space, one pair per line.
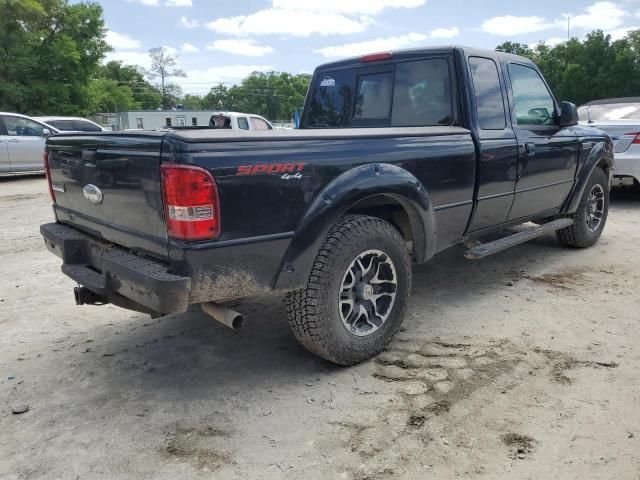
22, 142
620, 118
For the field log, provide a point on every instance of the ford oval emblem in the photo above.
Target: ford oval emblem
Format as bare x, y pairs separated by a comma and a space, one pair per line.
92, 193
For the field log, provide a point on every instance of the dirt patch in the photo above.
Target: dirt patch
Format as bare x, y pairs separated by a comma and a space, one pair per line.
561, 363
562, 280
519, 445
202, 447
20, 197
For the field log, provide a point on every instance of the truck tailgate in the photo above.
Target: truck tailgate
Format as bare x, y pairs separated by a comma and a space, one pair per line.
108, 185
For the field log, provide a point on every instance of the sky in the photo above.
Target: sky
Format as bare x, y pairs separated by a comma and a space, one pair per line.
224, 41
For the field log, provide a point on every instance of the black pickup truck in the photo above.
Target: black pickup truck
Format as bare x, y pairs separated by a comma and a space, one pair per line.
399, 156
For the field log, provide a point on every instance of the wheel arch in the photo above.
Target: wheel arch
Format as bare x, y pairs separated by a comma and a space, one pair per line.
599, 155
380, 190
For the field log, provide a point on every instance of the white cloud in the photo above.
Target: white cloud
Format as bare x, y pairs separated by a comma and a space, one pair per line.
601, 15
188, 48
121, 41
620, 33
349, 7
140, 59
554, 41
188, 22
508, 25
172, 51
549, 42
372, 46
386, 44
247, 47
445, 32
299, 23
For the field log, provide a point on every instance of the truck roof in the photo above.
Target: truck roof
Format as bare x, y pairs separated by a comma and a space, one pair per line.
415, 52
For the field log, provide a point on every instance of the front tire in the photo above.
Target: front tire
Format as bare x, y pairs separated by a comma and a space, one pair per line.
591, 215
356, 295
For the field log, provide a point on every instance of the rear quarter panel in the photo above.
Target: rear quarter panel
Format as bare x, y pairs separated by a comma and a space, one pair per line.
268, 206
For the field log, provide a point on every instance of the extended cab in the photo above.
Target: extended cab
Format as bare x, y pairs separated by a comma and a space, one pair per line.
399, 156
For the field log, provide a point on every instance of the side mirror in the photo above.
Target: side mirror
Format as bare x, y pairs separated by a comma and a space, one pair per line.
46, 132
568, 114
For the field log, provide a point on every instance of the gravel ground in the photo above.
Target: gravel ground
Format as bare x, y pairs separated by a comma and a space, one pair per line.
523, 365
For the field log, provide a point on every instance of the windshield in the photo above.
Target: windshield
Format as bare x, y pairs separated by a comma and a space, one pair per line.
609, 112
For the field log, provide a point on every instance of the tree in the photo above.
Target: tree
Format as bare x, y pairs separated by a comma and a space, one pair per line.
106, 95
591, 69
274, 95
49, 51
515, 48
145, 95
216, 98
192, 102
161, 63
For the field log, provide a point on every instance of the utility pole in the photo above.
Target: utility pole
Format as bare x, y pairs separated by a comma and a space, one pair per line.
568, 28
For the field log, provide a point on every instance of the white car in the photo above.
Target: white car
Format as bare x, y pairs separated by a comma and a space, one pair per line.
22, 142
72, 124
620, 118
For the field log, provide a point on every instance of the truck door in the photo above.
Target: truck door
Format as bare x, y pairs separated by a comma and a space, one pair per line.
498, 161
547, 153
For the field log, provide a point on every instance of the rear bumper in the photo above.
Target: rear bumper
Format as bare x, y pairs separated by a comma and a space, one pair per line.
115, 273
628, 163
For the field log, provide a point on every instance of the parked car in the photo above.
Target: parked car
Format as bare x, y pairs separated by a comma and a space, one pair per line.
22, 141
239, 121
399, 156
73, 124
620, 118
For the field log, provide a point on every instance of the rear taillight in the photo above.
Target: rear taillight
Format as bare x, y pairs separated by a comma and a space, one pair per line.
191, 204
45, 159
636, 140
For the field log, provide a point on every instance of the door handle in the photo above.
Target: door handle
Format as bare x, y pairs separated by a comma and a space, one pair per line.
529, 149
13, 140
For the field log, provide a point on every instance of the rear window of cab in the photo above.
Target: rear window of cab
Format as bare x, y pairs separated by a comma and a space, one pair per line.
410, 93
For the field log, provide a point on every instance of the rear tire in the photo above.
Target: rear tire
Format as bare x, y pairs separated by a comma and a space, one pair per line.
591, 215
356, 295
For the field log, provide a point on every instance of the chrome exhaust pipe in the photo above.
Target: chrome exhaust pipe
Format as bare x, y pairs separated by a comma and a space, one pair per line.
232, 319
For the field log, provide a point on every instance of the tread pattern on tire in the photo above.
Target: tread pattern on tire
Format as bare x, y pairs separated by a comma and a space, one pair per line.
577, 235
304, 305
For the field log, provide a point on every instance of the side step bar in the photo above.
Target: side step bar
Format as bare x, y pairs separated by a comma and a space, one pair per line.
485, 249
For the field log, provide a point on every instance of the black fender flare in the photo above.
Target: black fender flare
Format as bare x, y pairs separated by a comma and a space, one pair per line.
593, 153
345, 191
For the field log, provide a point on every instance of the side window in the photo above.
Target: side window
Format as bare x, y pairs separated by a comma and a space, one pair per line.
243, 123
331, 100
373, 96
533, 103
194, 121
422, 94
259, 124
139, 123
83, 126
167, 121
22, 127
488, 93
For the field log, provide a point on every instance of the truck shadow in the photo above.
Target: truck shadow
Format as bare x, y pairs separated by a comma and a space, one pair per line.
625, 197
191, 354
